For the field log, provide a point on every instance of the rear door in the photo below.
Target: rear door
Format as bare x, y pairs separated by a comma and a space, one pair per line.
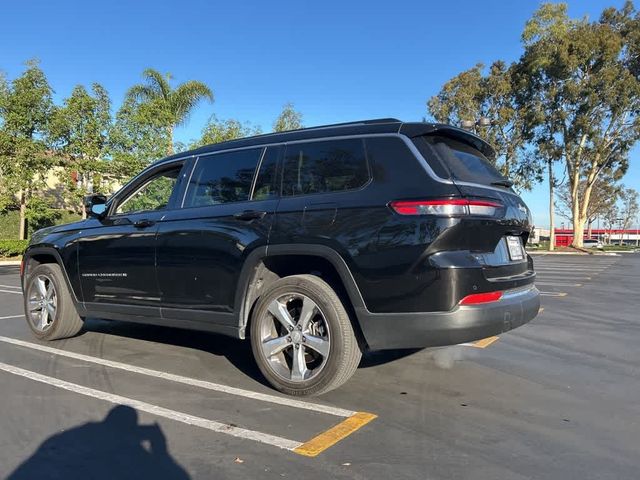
226, 212
321, 181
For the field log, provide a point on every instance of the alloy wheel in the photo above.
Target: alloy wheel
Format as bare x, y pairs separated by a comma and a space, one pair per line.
295, 338
43, 303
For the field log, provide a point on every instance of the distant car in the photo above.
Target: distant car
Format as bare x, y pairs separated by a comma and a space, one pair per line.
591, 243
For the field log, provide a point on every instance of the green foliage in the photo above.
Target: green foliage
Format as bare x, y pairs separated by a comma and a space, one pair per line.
472, 95
216, 131
12, 248
289, 119
25, 109
173, 105
40, 214
80, 129
9, 221
138, 137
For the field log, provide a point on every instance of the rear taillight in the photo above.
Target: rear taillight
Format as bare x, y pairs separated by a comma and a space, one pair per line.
22, 267
479, 298
446, 207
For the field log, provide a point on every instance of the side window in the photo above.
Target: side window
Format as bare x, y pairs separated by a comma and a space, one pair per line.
222, 178
266, 181
154, 194
325, 166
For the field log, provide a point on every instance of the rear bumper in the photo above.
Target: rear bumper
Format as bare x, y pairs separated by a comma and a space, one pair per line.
462, 324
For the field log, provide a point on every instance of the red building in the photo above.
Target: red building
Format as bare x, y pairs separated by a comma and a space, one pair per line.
564, 237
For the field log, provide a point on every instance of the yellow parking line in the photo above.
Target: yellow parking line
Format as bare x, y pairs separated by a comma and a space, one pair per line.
319, 444
484, 343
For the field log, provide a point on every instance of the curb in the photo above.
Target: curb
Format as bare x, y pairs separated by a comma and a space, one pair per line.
9, 263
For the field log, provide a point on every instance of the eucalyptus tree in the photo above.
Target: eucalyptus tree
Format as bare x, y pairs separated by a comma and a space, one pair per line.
584, 96
629, 208
289, 119
25, 108
604, 195
473, 95
173, 104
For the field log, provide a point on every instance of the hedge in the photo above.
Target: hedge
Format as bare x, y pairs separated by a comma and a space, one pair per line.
12, 248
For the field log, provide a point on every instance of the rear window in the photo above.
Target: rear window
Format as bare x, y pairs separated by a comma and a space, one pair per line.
457, 160
326, 166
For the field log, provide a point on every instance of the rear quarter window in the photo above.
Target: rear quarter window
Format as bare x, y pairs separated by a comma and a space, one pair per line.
324, 166
451, 158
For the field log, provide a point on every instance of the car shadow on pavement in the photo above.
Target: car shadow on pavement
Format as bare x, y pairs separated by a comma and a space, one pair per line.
237, 352
379, 357
117, 447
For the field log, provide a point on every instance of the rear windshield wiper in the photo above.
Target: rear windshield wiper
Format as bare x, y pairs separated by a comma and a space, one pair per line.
503, 183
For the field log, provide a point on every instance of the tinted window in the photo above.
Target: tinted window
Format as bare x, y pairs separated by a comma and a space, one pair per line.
222, 178
329, 166
464, 162
266, 181
154, 194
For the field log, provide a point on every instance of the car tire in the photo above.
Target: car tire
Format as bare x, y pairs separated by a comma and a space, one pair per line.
45, 290
322, 338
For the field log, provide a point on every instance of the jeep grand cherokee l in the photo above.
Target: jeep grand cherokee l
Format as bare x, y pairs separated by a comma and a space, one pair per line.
314, 244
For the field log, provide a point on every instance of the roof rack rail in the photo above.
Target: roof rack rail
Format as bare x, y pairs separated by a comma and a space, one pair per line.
357, 122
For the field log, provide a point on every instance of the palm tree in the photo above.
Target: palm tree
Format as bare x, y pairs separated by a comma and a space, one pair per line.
176, 103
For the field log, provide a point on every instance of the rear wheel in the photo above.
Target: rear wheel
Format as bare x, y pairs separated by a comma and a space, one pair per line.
48, 305
302, 338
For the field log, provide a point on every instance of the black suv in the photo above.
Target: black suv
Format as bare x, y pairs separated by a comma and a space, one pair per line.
315, 244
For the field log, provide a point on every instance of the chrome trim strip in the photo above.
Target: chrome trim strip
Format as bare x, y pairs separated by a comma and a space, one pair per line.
516, 292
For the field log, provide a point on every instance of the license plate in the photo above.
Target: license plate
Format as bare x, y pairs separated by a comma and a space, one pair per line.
515, 248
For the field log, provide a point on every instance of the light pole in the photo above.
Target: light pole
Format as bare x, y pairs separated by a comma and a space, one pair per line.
472, 124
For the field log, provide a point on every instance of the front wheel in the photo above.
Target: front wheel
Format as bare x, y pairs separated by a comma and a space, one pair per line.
302, 338
48, 305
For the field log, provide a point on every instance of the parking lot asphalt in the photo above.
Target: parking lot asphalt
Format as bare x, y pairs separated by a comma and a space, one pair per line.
557, 398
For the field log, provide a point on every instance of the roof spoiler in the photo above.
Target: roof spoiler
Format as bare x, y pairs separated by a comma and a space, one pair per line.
417, 129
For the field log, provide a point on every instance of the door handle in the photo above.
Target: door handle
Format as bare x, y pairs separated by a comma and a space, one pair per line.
144, 223
249, 215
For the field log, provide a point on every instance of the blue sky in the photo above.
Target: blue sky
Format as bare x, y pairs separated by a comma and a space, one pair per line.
335, 60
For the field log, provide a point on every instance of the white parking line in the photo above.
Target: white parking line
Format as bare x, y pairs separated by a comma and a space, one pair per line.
11, 291
559, 284
263, 397
11, 316
562, 279
11, 286
553, 294
218, 427
571, 269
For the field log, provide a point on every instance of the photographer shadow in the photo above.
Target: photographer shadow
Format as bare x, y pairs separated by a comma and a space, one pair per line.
117, 447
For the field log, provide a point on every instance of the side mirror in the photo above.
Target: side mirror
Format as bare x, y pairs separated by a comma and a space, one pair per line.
95, 205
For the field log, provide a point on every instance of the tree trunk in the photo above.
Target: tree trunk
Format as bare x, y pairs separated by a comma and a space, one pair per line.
170, 134
22, 233
552, 233
578, 231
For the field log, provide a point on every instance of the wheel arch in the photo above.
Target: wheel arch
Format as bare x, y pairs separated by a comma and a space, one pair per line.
35, 256
267, 264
